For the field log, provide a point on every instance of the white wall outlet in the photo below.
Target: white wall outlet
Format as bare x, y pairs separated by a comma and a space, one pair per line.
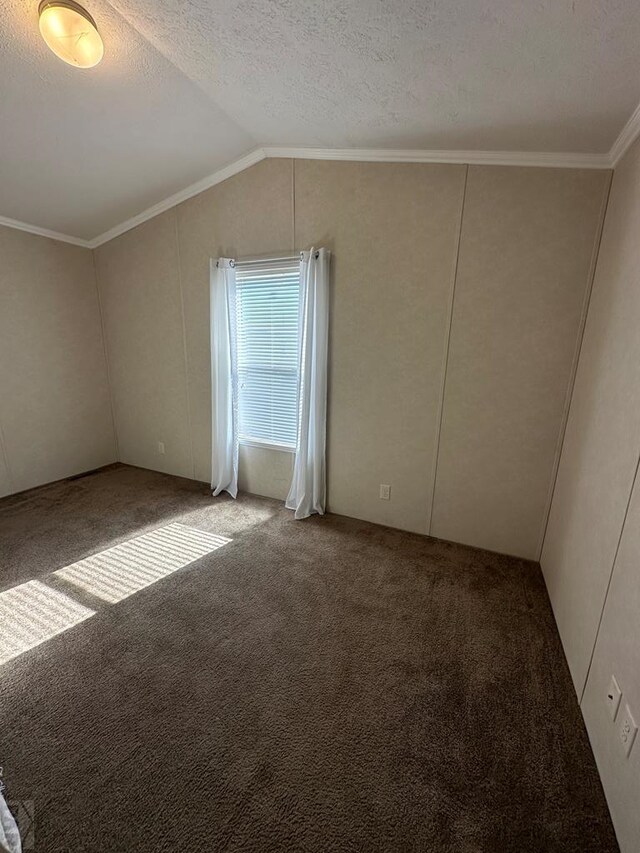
614, 695
161, 448
627, 730
385, 492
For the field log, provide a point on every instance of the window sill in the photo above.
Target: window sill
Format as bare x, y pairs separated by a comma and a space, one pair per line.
266, 445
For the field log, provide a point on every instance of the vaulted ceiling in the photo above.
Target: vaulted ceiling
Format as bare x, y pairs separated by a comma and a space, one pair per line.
186, 86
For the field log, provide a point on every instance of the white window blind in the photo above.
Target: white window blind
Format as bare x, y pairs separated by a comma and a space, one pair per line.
267, 303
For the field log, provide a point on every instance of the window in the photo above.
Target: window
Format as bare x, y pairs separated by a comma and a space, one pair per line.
267, 302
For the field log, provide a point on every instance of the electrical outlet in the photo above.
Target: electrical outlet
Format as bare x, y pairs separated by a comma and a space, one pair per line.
161, 448
614, 695
385, 492
627, 730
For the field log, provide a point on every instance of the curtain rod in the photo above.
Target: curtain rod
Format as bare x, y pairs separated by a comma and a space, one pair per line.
257, 259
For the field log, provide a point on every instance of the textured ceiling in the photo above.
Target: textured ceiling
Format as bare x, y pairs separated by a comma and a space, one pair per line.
188, 85
81, 150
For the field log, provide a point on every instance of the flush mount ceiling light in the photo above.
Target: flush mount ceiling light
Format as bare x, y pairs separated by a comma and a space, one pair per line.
70, 32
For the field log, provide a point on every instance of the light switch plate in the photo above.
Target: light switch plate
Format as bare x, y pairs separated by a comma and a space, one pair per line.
614, 695
627, 730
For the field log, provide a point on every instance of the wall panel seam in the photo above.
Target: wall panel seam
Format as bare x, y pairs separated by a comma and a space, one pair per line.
184, 345
447, 342
595, 253
3, 448
611, 573
105, 351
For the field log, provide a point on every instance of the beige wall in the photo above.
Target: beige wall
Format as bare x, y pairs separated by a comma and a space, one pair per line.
397, 312
55, 414
526, 252
393, 232
601, 444
141, 299
618, 652
594, 491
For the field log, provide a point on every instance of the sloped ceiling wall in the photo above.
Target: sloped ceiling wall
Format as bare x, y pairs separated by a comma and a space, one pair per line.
466, 314
187, 88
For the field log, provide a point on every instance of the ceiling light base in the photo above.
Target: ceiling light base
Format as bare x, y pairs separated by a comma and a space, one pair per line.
67, 4
70, 32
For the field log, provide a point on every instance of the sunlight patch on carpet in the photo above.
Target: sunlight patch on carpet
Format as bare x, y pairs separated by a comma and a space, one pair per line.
32, 613
120, 571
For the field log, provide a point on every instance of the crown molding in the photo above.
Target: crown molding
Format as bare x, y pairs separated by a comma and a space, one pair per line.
217, 177
369, 155
44, 232
480, 158
559, 160
625, 140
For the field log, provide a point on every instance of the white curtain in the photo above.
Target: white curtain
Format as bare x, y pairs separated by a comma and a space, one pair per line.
308, 487
9, 834
224, 397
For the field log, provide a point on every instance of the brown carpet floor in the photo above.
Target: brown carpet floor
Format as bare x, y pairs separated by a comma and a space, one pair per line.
325, 685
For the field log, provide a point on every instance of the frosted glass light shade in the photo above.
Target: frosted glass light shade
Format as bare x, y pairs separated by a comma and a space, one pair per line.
70, 32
